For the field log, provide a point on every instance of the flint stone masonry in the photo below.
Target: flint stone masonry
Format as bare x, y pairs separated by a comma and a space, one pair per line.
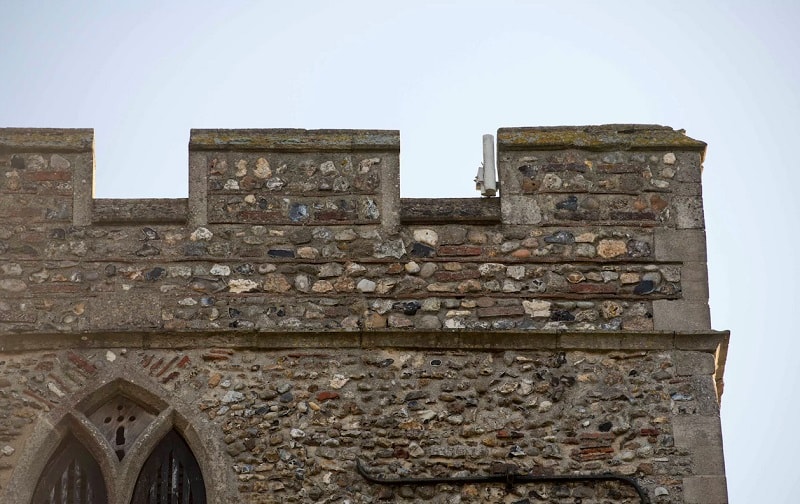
300, 315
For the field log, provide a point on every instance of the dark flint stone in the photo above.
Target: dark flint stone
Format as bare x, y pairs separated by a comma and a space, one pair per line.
562, 316
528, 170
286, 398
233, 312
110, 270
195, 249
263, 204
207, 301
637, 248
612, 325
155, 274
411, 307
147, 251
645, 287
562, 237
245, 269
436, 362
17, 162
57, 234
281, 253
503, 324
421, 250
416, 394
386, 362
150, 233
571, 203
605, 426
298, 212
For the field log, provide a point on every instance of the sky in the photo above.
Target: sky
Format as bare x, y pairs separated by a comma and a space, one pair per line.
143, 73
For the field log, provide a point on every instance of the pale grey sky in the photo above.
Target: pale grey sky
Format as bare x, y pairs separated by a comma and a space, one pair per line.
143, 73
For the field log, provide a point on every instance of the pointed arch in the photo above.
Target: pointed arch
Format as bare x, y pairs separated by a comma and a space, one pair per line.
170, 475
72, 476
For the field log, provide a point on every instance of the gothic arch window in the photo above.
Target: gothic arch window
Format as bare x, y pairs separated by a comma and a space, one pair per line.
120, 444
170, 475
71, 476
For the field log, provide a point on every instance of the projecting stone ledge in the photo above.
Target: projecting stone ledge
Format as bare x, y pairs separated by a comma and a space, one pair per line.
297, 140
47, 139
597, 138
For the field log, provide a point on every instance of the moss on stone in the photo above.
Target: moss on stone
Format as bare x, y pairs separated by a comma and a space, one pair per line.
597, 138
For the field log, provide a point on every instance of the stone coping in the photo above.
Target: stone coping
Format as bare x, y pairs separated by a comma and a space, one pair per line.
47, 139
294, 140
597, 138
702, 341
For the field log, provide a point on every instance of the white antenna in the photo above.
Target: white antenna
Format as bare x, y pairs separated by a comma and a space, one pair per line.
485, 181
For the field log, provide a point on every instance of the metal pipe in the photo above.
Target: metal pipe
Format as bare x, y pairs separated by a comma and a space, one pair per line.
489, 180
510, 479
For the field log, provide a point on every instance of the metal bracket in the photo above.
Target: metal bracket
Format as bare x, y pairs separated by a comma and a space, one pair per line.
509, 478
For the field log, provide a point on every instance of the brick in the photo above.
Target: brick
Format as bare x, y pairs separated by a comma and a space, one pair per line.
500, 311
459, 250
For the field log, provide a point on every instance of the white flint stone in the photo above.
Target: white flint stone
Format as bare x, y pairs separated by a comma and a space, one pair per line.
232, 396
412, 267
488, 269
338, 381
366, 285
231, 184
262, 170
454, 323
110, 356
516, 272
241, 168
327, 168
669, 158
297, 433
242, 285
426, 236
201, 233
52, 387
8, 451
537, 308
220, 269
366, 164
12, 285
11, 269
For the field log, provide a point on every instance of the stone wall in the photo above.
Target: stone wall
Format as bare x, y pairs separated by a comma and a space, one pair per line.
297, 315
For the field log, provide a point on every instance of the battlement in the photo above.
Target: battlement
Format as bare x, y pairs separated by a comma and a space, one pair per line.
307, 177
596, 228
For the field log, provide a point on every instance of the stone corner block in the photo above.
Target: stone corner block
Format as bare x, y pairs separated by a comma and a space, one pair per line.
705, 490
688, 212
681, 315
693, 363
686, 245
702, 436
520, 210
